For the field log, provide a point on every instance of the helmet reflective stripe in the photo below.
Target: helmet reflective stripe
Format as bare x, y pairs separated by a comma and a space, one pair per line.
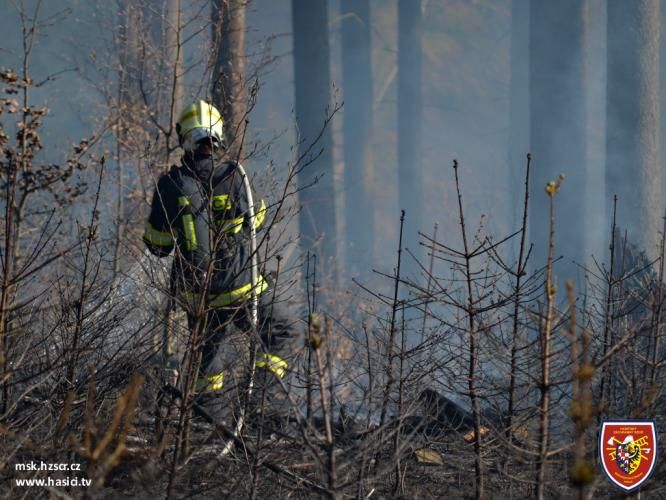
200, 120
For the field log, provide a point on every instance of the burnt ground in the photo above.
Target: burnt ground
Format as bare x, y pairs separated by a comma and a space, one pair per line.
290, 458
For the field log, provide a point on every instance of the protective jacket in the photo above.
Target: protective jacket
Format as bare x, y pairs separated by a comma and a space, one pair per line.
204, 216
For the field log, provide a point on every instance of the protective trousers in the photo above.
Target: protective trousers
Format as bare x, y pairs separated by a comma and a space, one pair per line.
224, 352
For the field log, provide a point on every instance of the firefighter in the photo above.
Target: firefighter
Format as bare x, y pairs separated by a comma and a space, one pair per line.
200, 209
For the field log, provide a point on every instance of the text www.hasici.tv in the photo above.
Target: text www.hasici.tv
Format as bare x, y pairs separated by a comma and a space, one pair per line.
59, 482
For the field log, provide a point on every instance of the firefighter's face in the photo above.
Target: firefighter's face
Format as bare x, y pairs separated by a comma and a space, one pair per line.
204, 148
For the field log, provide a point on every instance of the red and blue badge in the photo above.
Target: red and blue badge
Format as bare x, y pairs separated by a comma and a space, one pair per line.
628, 451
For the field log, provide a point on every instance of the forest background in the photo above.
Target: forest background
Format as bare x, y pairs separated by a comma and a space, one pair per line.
347, 113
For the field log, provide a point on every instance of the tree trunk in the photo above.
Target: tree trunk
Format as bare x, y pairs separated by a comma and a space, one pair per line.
662, 110
124, 13
357, 134
519, 117
315, 142
128, 99
557, 127
633, 169
519, 141
229, 91
410, 168
173, 47
129, 52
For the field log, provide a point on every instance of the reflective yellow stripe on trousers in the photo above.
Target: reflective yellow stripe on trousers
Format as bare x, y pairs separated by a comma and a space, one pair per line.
210, 383
272, 363
227, 298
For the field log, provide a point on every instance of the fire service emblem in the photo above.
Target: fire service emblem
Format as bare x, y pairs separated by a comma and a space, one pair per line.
628, 452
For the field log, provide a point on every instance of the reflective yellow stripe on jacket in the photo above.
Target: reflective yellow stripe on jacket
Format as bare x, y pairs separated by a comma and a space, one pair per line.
260, 215
234, 226
221, 202
231, 226
158, 238
227, 298
188, 224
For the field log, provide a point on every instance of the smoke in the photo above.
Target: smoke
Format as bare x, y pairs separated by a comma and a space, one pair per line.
467, 86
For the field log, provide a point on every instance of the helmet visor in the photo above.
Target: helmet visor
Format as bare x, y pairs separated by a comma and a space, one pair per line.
198, 135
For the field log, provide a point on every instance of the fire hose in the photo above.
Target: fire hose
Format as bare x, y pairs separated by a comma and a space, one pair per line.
254, 319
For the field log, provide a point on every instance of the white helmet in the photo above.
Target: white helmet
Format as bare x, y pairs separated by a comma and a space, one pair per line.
200, 120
